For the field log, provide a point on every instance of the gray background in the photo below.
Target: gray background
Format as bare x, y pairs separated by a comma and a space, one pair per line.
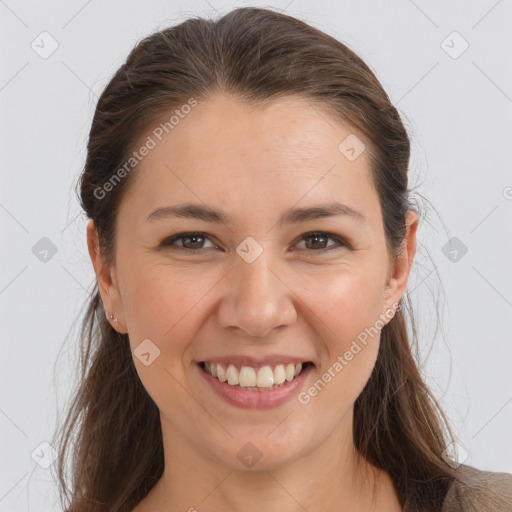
457, 107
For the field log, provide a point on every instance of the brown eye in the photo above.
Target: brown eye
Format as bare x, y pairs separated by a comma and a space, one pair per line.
191, 242
318, 241
194, 240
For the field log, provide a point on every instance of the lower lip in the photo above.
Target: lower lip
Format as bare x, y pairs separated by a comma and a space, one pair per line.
256, 399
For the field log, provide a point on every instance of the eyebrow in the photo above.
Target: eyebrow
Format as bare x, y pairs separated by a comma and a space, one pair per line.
291, 216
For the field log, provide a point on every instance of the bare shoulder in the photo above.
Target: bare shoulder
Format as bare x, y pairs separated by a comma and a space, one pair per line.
480, 490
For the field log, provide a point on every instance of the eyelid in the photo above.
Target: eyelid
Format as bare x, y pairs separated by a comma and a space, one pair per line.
342, 243
169, 241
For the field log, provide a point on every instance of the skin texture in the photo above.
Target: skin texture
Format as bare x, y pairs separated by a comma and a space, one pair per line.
254, 164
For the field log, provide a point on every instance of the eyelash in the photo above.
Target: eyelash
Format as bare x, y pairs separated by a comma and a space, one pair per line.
168, 242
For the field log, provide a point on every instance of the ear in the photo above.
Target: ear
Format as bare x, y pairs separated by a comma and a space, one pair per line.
400, 268
107, 282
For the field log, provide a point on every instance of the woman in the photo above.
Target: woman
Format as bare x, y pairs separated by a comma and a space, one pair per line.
252, 235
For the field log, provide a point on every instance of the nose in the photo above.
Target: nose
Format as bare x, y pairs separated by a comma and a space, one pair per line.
258, 300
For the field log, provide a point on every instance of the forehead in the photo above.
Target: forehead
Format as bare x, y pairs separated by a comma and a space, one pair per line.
225, 151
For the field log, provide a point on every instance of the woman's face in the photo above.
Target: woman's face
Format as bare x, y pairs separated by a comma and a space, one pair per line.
256, 292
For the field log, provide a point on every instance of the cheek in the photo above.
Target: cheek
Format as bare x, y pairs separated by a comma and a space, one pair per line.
349, 311
166, 304
163, 304
347, 301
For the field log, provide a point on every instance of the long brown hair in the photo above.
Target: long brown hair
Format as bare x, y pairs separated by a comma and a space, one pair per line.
255, 55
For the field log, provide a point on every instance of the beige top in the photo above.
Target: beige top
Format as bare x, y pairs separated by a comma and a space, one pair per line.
482, 491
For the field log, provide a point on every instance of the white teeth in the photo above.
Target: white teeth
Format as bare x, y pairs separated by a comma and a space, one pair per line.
265, 377
279, 374
247, 377
251, 379
232, 375
290, 371
221, 374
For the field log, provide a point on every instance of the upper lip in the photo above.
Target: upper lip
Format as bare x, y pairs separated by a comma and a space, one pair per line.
241, 360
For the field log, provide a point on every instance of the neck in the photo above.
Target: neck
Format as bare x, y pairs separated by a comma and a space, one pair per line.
333, 476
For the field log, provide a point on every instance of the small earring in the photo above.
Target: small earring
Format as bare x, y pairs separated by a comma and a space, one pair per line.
112, 317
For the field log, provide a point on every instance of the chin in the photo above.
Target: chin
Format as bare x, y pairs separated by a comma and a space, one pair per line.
265, 450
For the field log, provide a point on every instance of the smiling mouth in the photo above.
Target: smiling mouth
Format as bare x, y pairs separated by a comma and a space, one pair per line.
249, 378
